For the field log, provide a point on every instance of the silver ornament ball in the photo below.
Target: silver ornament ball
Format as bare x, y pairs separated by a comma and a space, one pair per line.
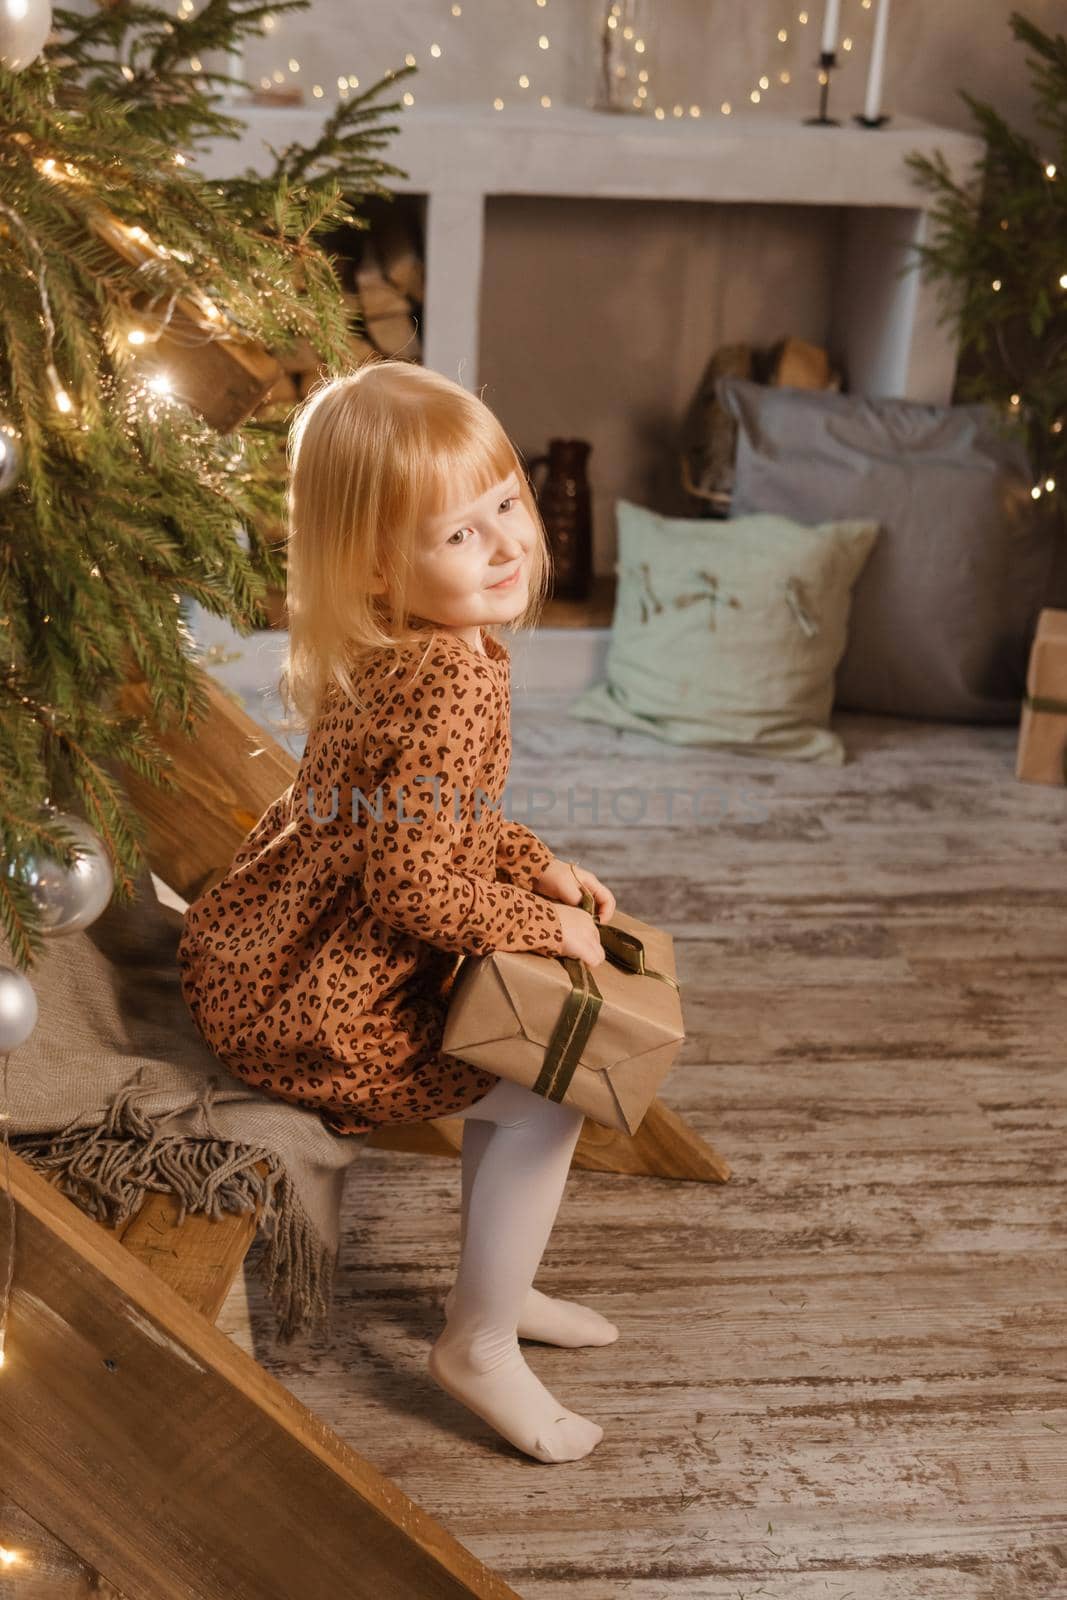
24, 27
67, 900
18, 1009
10, 452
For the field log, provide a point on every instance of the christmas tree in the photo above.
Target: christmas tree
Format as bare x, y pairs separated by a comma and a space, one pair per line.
1001, 253
142, 308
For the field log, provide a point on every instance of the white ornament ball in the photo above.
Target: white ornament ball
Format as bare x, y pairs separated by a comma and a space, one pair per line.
24, 27
68, 900
10, 451
18, 1009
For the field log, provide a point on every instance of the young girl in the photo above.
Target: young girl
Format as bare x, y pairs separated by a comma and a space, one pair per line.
319, 967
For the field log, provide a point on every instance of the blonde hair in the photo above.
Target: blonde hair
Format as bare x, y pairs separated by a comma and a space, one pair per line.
372, 455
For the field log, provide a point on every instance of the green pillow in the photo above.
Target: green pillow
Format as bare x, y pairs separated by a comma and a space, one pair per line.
729, 632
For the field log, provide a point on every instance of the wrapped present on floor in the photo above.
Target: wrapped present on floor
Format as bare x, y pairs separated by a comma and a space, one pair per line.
1042, 751
602, 1040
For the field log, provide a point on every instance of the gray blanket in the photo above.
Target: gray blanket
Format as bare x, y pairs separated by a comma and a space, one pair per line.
116, 1093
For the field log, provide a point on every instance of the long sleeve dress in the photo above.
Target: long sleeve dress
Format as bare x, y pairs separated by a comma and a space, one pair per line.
318, 968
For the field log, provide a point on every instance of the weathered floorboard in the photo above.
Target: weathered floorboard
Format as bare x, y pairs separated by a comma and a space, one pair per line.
841, 1375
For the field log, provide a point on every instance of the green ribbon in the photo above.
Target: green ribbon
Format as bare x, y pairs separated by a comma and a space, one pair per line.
581, 1008
1058, 708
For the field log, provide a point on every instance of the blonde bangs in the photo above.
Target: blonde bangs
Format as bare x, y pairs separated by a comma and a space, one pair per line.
373, 455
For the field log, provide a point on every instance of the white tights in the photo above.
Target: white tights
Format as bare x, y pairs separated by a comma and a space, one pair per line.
517, 1150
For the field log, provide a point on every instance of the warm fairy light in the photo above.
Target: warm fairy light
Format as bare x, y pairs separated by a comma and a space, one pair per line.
639, 46
1035, 492
409, 60
783, 35
546, 101
783, 77
1050, 170
6, 1556
754, 97
160, 384
765, 83
679, 111
179, 159
524, 82
435, 50
318, 91
137, 336
278, 75
353, 81
997, 283
694, 111
1015, 399
542, 43
1050, 484
846, 44
498, 104
294, 65
47, 167
1057, 426
824, 77
62, 399
457, 11
725, 108
802, 17
409, 98
127, 73
269, 23
660, 113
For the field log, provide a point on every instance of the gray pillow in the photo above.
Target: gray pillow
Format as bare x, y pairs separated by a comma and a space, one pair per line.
943, 612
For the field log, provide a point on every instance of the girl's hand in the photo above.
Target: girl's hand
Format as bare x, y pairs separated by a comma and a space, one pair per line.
563, 880
580, 936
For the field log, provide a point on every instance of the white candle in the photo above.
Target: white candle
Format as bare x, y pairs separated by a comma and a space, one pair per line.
829, 27
235, 67
877, 66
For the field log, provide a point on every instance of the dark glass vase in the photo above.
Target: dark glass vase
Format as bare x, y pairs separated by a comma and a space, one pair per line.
566, 509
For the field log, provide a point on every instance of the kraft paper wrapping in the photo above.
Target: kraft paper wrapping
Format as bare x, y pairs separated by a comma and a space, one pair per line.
505, 1007
1042, 750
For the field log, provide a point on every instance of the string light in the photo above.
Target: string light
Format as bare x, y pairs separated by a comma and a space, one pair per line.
783, 35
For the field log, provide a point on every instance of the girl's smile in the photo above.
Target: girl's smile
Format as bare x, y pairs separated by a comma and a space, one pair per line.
509, 583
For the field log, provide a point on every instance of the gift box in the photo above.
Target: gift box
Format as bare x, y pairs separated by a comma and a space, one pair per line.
1042, 749
600, 1040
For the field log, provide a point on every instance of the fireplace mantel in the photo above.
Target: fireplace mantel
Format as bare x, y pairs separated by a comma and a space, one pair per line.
886, 321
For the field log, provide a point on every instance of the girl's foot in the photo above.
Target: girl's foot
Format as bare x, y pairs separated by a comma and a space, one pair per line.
498, 1386
562, 1322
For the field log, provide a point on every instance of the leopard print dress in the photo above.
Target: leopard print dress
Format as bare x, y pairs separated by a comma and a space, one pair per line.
318, 967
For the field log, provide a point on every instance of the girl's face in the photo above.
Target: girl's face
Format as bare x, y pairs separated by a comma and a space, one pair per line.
463, 556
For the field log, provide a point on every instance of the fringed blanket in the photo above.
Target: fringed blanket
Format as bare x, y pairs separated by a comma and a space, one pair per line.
116, 1091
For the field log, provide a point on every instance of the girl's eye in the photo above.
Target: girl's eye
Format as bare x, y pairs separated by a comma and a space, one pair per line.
510, 501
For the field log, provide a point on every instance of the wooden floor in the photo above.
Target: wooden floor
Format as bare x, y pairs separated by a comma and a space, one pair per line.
842, 1375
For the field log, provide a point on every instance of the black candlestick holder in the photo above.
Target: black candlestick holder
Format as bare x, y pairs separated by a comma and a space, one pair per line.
827, 63
871, 122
